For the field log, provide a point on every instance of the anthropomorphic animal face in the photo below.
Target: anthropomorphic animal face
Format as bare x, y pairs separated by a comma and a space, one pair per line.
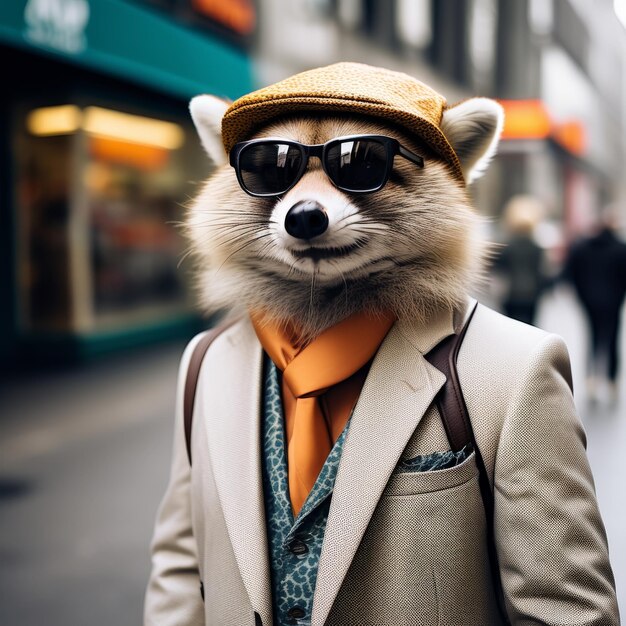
316, 254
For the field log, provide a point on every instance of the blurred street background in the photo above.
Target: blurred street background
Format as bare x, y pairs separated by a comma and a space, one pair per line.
97, 160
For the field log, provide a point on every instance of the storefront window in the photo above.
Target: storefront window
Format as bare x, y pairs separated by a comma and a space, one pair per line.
43, 198
101, 195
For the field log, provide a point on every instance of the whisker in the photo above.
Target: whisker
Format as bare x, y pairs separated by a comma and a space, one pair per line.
184, 257
264, 251
343, 278
238, 250
295, 268
312, 292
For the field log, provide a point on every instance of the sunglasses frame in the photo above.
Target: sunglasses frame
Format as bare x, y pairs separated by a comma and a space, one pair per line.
392, 146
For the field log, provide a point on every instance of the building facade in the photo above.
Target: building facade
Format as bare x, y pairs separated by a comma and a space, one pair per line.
98, 159
557, 66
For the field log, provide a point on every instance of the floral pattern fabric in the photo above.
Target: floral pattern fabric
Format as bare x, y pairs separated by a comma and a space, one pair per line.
434, 461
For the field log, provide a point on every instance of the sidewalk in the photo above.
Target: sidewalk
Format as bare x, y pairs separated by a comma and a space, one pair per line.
84, 458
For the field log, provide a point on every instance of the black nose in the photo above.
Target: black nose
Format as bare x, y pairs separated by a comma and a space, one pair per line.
306, 219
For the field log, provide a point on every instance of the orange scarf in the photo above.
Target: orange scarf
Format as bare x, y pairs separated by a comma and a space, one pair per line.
321, 384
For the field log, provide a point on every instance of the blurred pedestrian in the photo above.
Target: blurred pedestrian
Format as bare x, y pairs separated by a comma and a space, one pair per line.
521, 261
596, 266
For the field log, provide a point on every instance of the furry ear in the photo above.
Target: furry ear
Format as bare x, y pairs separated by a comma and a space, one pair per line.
207, 113
473, 129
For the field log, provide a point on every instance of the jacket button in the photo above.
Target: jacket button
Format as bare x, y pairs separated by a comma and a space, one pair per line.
296, 612
298, 547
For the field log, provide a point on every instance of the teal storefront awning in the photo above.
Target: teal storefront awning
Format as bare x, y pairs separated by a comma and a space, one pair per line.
128, 41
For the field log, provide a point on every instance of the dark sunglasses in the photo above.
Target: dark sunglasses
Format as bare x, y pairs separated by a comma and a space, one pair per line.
356, 164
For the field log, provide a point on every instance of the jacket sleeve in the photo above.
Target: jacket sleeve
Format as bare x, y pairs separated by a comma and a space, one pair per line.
173, 594
550, 539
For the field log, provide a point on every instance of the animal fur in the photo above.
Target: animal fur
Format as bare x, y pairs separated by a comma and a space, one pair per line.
411, 248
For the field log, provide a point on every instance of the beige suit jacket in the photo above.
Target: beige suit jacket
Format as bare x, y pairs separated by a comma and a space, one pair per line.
400, 548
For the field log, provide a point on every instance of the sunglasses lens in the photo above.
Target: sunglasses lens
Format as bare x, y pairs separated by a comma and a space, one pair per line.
357, 165
269, 168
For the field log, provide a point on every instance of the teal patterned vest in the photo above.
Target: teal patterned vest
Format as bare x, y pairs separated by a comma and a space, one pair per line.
295, 545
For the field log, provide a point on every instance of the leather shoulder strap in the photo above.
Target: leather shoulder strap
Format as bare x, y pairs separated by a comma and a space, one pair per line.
191, 381
450, 400
458, 427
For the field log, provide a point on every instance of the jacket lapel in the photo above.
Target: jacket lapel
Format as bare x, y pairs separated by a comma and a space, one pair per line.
233, 426
399, 389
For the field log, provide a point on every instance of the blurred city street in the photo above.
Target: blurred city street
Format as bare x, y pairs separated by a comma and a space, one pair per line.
80, 483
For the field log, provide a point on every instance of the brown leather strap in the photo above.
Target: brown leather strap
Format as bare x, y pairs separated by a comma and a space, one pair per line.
458, 427
191, 382
450, 400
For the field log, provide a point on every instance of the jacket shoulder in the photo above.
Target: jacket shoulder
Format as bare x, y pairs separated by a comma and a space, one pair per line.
498, 350
208, 345
496, 336
229, 332
495, 359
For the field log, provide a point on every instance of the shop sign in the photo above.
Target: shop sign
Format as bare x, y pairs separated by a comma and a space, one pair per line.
238, 16
58, 24
169, 55
525, 119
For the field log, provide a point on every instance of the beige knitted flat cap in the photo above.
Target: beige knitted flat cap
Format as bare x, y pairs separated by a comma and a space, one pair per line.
346, 88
